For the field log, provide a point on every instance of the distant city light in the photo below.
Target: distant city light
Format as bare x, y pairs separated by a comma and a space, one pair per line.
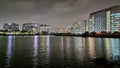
9, 23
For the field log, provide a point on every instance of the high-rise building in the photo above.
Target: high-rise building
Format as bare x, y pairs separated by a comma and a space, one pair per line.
80, 27
105, 20
76, 27
11, 27
33, 27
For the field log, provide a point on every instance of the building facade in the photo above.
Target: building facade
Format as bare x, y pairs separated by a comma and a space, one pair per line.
11, 27
105, 20
32, 27
70, 29
78, 27
82, 26
44, 28
36, 27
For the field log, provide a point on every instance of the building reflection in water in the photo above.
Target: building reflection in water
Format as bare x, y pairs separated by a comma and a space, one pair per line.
99, 47
35, 62
55, 51
74, 51
47, 49
115, 44
90, 48
68, 51
79, 45
108, 51
62, 46
44, 51
9, 51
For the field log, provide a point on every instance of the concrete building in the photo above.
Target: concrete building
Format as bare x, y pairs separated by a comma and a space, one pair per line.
78, 27
70, 29
32, 27
36, 27
44, 28
83, 26
105, 20
11, 27
74, 28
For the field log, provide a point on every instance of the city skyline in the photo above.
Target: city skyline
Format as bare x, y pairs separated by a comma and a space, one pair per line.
57, 13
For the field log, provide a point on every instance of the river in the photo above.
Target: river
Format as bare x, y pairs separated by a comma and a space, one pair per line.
55, 51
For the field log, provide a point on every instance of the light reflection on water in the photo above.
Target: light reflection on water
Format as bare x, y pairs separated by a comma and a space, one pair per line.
9, 51
115, 47
48, 49
35, 51
90, 47
55, 52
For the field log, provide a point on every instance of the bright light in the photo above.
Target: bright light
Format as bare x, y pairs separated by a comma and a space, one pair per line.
116, 14
9, 50
9, 23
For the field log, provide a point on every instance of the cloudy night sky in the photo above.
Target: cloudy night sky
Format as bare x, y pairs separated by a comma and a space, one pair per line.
57, 13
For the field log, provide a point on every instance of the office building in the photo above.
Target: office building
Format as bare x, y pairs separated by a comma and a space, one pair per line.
11, 27
44, 28
35, 27
105, 20
79, 27
31, 27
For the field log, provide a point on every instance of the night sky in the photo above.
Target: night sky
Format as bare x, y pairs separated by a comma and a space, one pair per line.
57, 13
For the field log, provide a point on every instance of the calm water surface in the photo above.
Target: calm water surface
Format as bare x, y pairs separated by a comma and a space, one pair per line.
55, 51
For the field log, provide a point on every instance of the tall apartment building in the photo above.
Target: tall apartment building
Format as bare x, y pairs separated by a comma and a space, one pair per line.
11, 27
105, 20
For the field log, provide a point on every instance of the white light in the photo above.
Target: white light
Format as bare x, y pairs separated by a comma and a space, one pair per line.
116, 14
9, 23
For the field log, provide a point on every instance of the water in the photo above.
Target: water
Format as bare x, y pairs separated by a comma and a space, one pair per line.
55, 51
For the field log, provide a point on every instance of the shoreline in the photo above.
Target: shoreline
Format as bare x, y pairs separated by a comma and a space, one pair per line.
69, 35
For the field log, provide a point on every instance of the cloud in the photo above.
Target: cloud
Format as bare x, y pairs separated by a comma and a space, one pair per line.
70, 5
58, 13
25, 5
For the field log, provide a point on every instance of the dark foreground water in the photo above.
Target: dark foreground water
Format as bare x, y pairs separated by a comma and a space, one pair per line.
55, 52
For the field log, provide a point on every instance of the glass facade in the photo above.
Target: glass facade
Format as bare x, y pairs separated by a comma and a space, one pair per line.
99, 22
115, 21
106, 20
91, 24
108, 13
